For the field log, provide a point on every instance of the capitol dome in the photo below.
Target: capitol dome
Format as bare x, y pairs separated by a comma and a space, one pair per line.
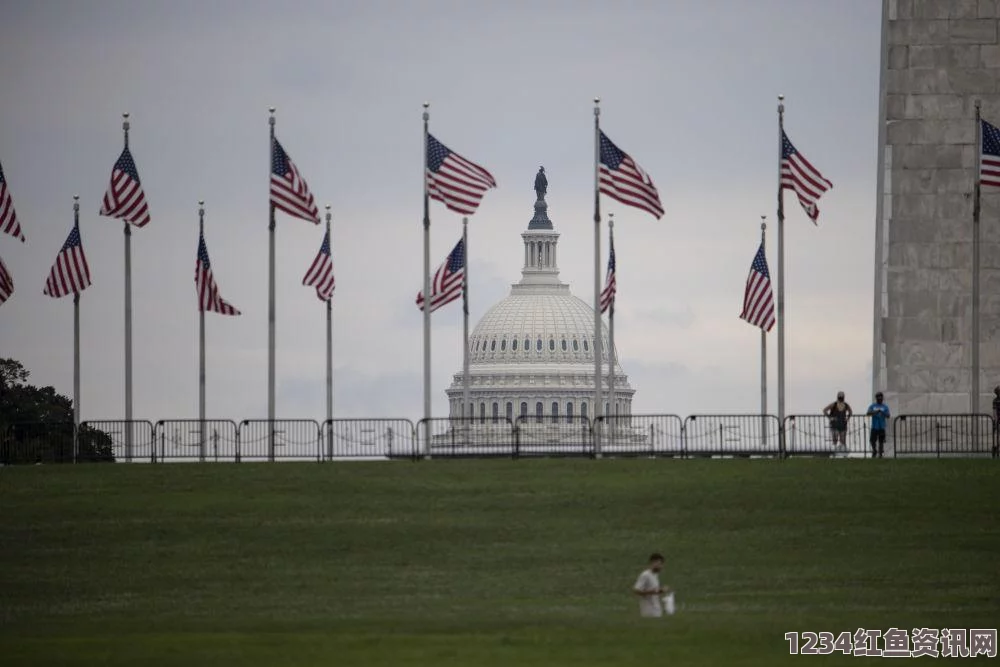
532, 353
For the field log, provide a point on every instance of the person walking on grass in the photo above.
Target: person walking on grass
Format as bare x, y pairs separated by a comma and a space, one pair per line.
648, 588
838, 413
879, 412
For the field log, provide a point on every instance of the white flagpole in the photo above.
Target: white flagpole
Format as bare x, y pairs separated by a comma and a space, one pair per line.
329, 351
781, 278
76, 351
201, 349
270, 306
974, 395
763, 359
597, 276
128, 322
465, 318
427, 298
613, 405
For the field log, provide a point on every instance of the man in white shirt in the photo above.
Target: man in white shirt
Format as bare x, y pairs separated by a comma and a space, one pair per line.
648, 588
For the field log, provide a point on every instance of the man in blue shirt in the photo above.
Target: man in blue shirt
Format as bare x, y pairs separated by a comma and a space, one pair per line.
879, 412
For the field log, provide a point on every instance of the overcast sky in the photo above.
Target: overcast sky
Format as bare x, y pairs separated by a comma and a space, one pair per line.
688, 88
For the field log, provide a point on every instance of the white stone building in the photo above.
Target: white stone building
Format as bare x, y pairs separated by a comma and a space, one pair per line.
939, 57
532, 354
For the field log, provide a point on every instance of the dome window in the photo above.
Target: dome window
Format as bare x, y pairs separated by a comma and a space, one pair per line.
564, 345
493, 345
503, 345
513, 345
552, 345
586, 348
527, 345
538, 344
576, 346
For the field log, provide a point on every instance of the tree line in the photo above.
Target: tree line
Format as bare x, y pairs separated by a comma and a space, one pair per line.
36, 423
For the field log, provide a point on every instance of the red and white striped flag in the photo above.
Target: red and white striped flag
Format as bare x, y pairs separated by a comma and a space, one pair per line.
70, 273
446, 284
610, 285
620, 178
208, 292
289, 191
453, 180
758, 298
125, 198
989, 157
798, 174
6, 282
8, 218
320, 274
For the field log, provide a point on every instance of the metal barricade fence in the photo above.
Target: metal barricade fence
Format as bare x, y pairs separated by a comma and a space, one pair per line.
732, 435
640, 435
368, 439
266, 440
742, 435
102, 437
466, 437
811, 435
181, 440
949, 435
37, 442
554, 436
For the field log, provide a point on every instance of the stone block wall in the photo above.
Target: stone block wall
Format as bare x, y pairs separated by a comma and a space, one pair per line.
941, 56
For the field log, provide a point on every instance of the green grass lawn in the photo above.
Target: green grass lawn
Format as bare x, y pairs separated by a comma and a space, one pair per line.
460, 563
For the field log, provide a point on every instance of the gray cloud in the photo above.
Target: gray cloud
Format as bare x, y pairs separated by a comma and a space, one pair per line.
688, 88
681, 317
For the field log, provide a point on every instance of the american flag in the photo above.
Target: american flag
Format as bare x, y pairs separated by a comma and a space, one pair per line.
758, 299
125, 198
446, 284
6, 282
208, 292
289, 192
799, 175
622, 179
320, 274
8, 218
989, 162
452, 179
608, 294
70, 273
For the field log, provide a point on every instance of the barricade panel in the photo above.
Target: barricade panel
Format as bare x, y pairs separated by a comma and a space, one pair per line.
554, 436
467, 437
732, 435
368, 439
180, 440
640, 435
949, 435
812, 435
287, 439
